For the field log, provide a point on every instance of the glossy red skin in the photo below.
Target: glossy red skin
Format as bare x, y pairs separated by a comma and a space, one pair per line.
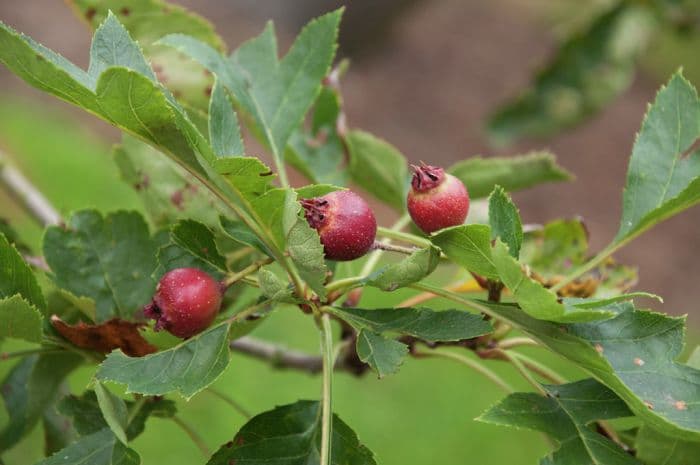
186, 302
347, 228
440, 207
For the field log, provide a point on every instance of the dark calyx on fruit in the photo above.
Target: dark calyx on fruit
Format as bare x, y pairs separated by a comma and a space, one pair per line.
345, 224
426, 177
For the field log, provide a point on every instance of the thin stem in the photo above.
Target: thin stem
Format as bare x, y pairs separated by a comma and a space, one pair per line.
376, 255
279, 356
28, 352
393, 248
518, 364
29, 197
193, 435
454, 297
252, 268
235, 405
345, 283
135, 409
243, 314
517, 342
540, 369
402, 236
473, 364
326, 406
465, 287
589, 265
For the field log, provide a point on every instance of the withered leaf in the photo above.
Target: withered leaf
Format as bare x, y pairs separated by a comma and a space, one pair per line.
107, 336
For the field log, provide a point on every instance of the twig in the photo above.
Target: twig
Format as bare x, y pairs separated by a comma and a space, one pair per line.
473, 364
235, 405
397, 235
31, 199
196, 438
393, 248
540, 369
327, 392
252, 268
278, 355
463, 287
517, 342
28, 352
518, 364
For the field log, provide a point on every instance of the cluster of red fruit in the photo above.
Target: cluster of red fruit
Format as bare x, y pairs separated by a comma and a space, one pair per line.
187, 300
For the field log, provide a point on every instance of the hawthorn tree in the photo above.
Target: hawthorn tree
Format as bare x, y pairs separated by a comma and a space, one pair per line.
228, 242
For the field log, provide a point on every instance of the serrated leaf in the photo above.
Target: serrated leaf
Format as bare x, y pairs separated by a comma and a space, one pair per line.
19, 319
224, 132
654, 448
411, 269
316, 190
113, 411
16, 278
248, 175
662, 179
533, 298
378, 167
305, 249
423, 323
167, 190
482, 175
275, 94
469, 246
108, 259
383, 355
112, 46
187, 368
147, 21
29, 388
565, 415
504, 219
590, 69
634, 354
198, 240
277, 210
101, 448
556, 248
319, 153
291, 434
275, 288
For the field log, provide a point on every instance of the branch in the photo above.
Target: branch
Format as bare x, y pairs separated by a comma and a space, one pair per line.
31, 199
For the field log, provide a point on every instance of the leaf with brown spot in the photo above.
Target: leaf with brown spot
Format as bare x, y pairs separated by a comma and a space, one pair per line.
105, 337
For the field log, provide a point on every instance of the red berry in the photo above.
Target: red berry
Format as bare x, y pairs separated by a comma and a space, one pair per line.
437, 200
186, 302
344, 222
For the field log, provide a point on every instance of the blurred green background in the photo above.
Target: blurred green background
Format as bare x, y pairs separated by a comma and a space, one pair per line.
425, 80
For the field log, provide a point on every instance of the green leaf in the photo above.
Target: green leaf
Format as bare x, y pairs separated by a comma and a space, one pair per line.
316, 190
275, 288
504, 219
167, 190
277, 210
469, 246
58, 431
275, 94
556, 248
87, 417
224, 132
634, 354
240, 232
29, 388
590, 69
112, 46
377, 167
16, 278
187, 368
319, 154
654, 448
19, 319
291, 435
422, 323
565, 415
101, 448
113, 410
147, 21
662, 178
108, 259
482, 175
248, 175
385, 356
305, 249
408, 271
533, 298
198, 240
